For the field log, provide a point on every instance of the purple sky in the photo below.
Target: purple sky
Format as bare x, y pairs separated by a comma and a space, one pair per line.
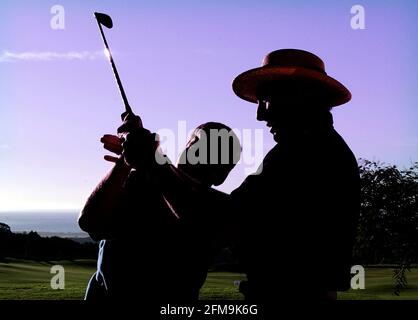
177, 63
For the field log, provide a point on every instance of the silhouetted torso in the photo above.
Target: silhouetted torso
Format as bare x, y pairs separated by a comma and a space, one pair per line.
157, 257
298, 216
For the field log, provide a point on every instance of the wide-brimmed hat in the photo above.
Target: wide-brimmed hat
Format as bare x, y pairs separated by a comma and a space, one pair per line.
300, 68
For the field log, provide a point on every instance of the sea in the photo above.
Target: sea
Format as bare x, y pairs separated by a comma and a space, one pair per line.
46, 223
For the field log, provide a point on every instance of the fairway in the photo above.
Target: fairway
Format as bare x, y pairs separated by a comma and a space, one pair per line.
31, 280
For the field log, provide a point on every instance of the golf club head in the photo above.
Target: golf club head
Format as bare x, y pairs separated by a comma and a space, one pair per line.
104, 19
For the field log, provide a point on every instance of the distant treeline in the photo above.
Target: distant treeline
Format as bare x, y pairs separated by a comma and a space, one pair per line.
32, 246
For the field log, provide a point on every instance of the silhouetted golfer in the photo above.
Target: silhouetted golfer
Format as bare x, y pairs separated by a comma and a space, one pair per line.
155, 246
298, 216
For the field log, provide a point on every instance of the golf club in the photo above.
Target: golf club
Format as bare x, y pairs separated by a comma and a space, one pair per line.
106, 20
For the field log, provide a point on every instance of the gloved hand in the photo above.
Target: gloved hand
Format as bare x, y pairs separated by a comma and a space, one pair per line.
139, 145
130, 122
139, 148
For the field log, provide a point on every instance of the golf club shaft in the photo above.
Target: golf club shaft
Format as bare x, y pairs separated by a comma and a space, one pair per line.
115, 72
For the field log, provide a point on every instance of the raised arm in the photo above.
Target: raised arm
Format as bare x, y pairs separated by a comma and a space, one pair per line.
98, 213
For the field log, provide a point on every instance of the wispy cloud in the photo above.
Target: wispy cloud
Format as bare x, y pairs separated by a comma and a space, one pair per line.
7, 56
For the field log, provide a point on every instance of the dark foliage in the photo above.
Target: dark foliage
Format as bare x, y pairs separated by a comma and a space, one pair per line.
31, 246
388, 226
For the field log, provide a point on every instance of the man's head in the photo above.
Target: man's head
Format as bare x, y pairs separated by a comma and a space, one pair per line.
288, 106
211, 153
291, 86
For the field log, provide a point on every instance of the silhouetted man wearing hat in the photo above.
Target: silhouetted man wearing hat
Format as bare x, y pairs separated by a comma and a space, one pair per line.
298, 214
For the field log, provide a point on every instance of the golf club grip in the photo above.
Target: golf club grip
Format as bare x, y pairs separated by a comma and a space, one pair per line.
127, 116
128, 108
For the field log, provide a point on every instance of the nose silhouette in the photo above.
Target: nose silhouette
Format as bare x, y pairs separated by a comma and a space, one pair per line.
261, 111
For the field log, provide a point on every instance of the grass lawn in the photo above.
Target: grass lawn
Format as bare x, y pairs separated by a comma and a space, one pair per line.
31, 280
379, 286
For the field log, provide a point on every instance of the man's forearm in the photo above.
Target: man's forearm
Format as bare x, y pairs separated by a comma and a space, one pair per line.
97, 213
182, 191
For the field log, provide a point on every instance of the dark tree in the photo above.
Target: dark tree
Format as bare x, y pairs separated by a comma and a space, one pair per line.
388, 226
4, 228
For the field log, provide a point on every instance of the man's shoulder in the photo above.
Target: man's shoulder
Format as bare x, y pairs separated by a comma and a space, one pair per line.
342, 150
272, 158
